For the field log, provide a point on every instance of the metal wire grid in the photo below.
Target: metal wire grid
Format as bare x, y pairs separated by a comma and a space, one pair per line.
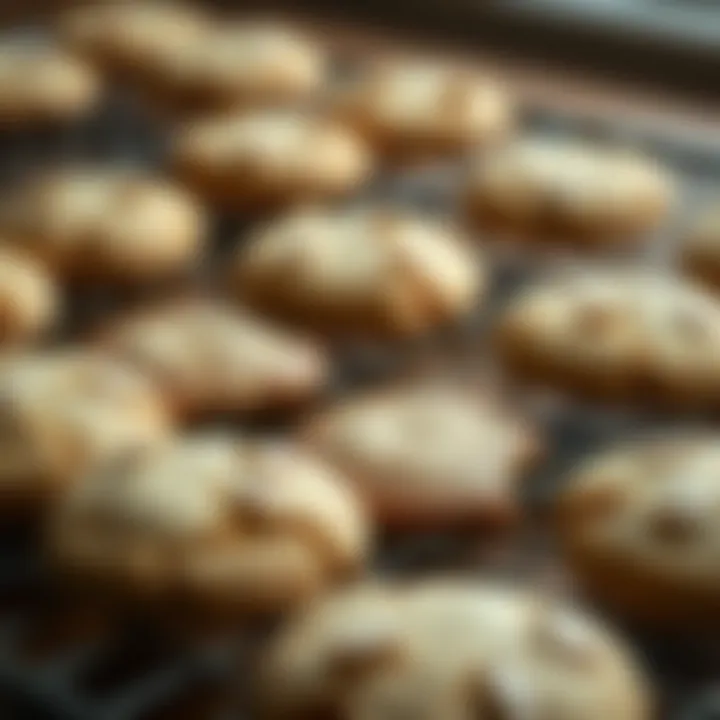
133, 672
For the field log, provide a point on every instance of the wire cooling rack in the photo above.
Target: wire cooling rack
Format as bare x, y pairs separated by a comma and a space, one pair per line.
62, 658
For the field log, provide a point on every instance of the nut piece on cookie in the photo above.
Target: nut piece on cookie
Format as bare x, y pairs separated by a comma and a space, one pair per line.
240, 65
106, 224
448, 651
415, 109
266, 159
381, 272
574, 193
617, 335
700, 248
29, 298
63, 411
229, 524
210, 358
429, 453
130, 39
640, 527
41, 85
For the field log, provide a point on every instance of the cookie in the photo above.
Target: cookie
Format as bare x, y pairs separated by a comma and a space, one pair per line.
414, 108
212, 521
130, 39
617, 335
43, 85
367, 271
429, 453
63, 411
448, 651
210, 358
638, 526
244, 65
262, 160
106, 224
575, 193
700, 248
29, 298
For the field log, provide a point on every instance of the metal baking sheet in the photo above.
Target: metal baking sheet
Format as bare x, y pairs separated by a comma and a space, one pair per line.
127, 670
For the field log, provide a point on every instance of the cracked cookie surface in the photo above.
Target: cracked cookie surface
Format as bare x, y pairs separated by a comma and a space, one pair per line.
448, 651
214, 520
367, 271
638, 524
572, 193
626, 336
208, 357
429, 453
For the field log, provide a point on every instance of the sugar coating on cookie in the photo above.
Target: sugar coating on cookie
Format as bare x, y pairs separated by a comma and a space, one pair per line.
623, 335
132, 38
43, 84
429, 453
440, 650
555, 190
639, 524
63, 411
241, 65
243, 525
374, 271
268, 158
700, 247
417, 107
106, 223
29, 298
209, 357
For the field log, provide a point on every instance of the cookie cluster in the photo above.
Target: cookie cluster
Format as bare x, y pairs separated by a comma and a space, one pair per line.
200, 445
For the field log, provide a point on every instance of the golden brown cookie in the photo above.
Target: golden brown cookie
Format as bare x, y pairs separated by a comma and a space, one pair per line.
130, 39
416, 108
246, 64
63, 411
210, 358
29, 298
640, 529
448, 651
617, 335
215, 521
700, 248
558, 191
109, 224
41, 85
363, 271
262, 160
429, 453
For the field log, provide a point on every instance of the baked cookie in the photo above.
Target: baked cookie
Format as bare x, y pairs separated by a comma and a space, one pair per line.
448, 651
367, 271
639, 526
240, 65
429, 453
41, 85
29, 299
108, 224
131, 39
218, 522
700, 248
63, 411
417, 108
555, 191
622, 335
209, 358
261, 160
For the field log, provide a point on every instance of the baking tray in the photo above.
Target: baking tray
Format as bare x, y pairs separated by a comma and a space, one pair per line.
62, 659
663, 42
